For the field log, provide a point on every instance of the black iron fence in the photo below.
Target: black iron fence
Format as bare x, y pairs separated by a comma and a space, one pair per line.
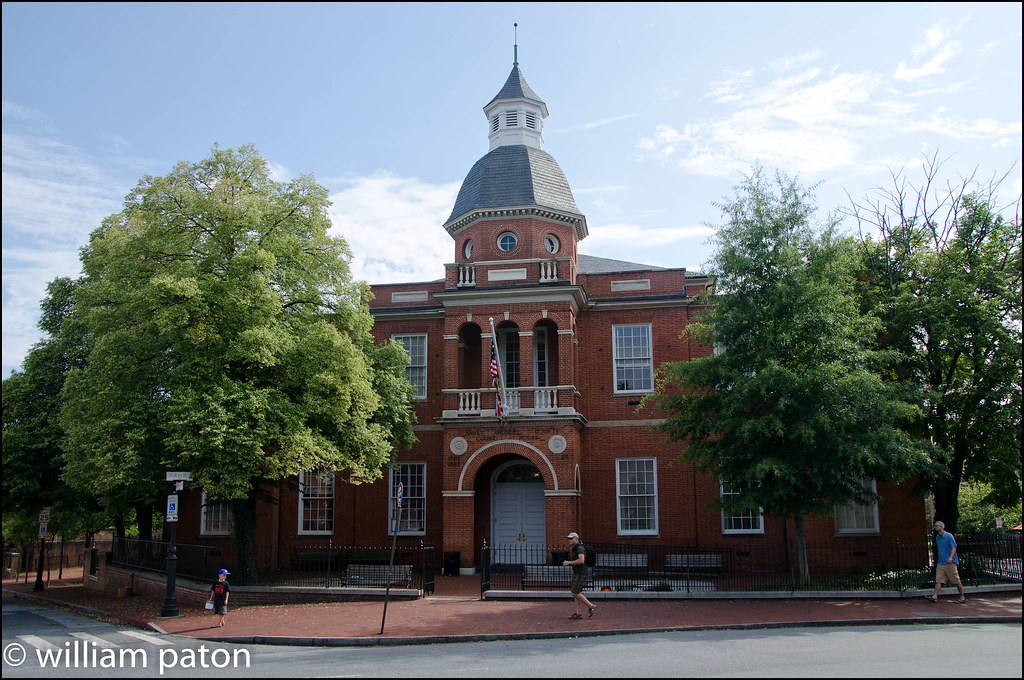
312, 566
860, 565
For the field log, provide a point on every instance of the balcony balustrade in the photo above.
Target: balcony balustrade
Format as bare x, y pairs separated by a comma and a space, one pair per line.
540, 401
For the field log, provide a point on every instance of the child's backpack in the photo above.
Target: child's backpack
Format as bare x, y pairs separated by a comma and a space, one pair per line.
589, 555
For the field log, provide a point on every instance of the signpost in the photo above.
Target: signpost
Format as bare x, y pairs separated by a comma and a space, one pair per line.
391, 562
44, 518
170, 607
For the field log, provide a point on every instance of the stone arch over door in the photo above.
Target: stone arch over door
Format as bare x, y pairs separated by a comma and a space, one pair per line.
470, 469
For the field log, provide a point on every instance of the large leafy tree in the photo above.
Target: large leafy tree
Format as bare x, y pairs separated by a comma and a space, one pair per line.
32, 450
790, 409
942, 272
229, 340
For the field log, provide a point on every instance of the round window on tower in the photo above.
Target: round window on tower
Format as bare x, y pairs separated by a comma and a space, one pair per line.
468, 248
551, 243
507, 241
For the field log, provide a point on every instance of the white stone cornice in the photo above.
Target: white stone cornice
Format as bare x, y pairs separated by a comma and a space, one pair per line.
575, 220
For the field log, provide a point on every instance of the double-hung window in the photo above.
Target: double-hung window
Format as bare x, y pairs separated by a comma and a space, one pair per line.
216, 518
633, 357
416, 370
316, 502
858, 518
748, 522
636, 484
413, 518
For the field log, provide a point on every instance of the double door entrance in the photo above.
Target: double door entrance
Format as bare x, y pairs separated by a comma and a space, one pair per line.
517, 511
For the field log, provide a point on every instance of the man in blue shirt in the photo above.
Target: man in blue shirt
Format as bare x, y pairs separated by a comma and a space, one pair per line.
945, 568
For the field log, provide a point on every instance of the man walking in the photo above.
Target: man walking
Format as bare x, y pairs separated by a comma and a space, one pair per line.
945, 568
578, 562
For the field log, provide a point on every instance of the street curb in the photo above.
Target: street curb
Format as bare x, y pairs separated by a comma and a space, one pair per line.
552, 635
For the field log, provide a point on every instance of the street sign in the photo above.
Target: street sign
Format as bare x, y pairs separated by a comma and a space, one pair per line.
400, 490
42, 530
172, 508
179, 476
44, 515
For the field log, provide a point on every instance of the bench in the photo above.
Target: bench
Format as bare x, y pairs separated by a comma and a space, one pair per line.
698, 561
314, 559
620, 561
546, 575
376, 575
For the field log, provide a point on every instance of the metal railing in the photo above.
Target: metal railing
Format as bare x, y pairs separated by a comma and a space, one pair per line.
861, 564
310, 566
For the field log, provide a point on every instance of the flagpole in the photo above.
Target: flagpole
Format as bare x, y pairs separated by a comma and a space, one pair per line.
501, 380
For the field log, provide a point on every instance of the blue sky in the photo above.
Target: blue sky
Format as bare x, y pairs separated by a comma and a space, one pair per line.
656, 111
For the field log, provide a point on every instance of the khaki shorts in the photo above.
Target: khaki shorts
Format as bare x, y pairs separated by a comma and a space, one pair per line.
579, 582
947, 572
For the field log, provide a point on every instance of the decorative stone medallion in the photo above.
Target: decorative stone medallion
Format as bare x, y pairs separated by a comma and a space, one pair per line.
556, 444
458, 446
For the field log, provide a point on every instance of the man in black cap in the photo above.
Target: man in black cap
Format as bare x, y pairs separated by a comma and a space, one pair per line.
578, 561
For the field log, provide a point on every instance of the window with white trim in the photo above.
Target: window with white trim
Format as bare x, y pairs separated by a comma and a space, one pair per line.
749, 522
858, 518
413, 519
633, 358
636, 484
316, 502
416, 370
216, 518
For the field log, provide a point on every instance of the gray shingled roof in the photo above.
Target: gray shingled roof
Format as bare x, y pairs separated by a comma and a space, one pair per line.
515, 87
588, 264
514, 175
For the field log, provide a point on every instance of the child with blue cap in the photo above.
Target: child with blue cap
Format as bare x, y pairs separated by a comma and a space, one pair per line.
219, 594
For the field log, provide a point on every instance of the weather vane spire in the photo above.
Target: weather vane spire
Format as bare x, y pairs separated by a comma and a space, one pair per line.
515, 44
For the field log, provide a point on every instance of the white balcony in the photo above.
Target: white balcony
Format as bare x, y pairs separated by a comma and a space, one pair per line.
480, 403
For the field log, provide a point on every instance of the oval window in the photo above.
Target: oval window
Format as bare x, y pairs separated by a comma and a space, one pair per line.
507, 241
468, 248
551, 243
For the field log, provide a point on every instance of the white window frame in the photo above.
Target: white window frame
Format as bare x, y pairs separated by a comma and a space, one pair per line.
325, 488
411, 368
620, 519
219, 513
633, 363
504, 235
857, 513
725, 489
413, 498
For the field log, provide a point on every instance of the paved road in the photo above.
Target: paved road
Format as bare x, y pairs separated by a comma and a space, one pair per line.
47, 636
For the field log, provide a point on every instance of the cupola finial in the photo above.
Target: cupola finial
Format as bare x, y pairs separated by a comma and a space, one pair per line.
515, 44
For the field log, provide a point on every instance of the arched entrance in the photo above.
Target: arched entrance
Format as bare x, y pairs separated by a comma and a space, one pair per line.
517, 506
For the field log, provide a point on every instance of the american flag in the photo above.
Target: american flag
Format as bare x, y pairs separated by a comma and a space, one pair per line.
494, 365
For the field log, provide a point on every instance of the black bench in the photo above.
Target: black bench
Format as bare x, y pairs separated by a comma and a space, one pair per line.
376, 575
546, 575
695, 562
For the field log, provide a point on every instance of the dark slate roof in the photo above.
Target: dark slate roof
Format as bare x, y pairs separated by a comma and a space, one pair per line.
515, 87
588, 264
514, 175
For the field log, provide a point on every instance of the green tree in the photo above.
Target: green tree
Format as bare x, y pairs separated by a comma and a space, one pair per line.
789, 410
228, 340
942, 271
32, 449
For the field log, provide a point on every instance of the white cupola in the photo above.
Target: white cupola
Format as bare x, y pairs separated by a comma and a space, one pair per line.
516, 114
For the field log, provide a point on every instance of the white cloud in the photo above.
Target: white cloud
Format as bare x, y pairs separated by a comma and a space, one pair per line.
938, 48
393, 226
607, 237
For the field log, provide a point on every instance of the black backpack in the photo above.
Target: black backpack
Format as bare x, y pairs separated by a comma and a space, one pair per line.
589, 555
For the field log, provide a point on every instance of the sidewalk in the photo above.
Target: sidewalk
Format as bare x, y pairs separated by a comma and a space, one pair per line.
455, 612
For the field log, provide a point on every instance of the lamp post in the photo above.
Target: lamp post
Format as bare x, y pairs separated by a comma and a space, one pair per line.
44, 517
170, 607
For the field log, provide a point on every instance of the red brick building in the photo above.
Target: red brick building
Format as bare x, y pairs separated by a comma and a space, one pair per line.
577, 342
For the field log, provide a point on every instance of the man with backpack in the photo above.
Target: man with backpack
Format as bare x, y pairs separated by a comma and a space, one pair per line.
578, 561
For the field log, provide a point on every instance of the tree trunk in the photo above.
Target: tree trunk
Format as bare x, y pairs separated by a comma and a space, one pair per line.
947, 510
801, 548
144, 521
244, 517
